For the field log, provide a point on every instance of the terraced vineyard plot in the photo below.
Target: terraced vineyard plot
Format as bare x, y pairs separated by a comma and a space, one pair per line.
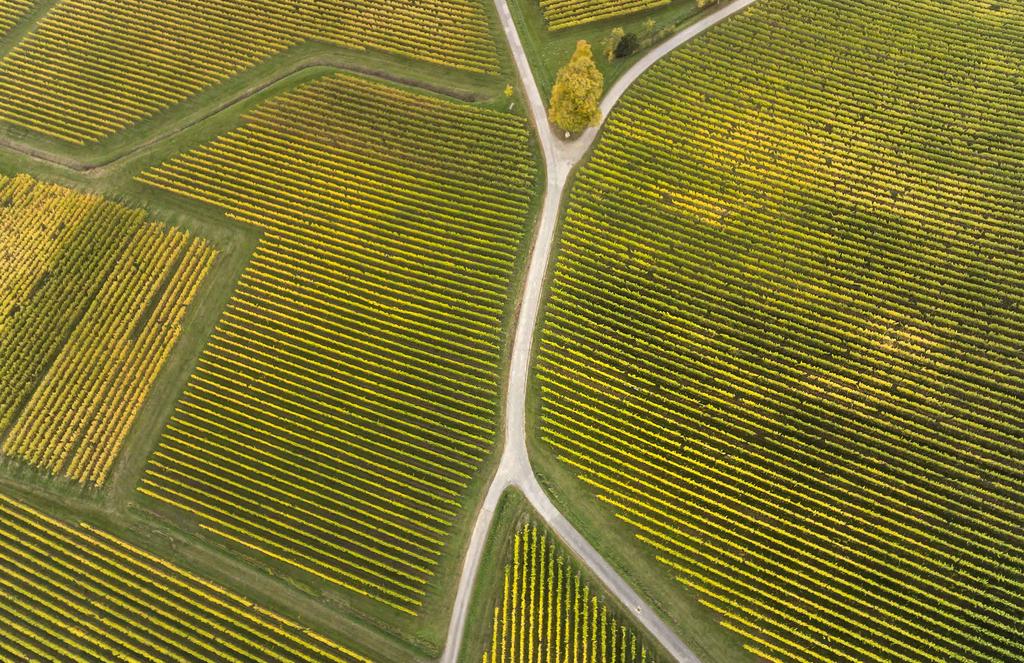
548, 611
91, 302
93, 67
77, 593
351, 389
10, 12
784, 342
562, 14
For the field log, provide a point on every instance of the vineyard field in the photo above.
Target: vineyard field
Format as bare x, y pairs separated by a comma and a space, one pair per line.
91, 68
783, 337
77, 593
10, 12
562, 14
350, 391
548, 610
92, 297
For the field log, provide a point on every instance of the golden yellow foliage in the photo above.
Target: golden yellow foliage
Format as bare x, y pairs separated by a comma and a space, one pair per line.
577, 92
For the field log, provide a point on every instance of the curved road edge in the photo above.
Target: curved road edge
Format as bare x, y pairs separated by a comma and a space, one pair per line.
560, 159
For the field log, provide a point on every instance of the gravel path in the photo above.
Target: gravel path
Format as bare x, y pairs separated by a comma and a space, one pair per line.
514, 469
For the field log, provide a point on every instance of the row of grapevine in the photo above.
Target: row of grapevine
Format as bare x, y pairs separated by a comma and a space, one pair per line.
561, 14
76, 593
10, 12
92, 298
784, 336
548, 611
93, 67
351, 390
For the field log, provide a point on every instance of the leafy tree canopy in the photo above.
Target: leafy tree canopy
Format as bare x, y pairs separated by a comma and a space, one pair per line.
577, 92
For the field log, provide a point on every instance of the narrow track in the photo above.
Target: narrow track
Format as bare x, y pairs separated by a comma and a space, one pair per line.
560, 159
292, 70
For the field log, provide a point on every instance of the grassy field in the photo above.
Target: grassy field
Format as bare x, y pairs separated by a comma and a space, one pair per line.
782, 340
511, 511
548, 50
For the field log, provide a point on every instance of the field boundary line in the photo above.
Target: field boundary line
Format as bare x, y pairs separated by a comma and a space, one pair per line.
293, 70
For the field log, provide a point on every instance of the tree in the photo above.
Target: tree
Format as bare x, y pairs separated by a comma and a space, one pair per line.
577, 92
611, 43
620, 44
628, 45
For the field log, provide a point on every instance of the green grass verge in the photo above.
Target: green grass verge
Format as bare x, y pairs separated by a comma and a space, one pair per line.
287, 66
548, 51
512, 512
696, 625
